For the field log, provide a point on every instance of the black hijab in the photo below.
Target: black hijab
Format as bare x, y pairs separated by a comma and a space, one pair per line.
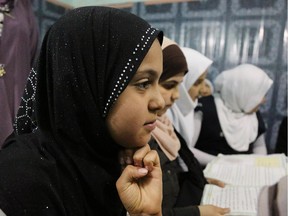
69, 165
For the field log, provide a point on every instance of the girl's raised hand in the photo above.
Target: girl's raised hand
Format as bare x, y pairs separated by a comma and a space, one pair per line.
140, 184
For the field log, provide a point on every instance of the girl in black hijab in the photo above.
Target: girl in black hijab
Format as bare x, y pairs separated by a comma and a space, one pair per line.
97, 93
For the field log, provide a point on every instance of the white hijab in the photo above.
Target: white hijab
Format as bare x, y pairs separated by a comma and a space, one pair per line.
182, 112
238, 91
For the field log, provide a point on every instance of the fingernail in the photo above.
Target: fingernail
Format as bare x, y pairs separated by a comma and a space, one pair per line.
143, 171
148, 168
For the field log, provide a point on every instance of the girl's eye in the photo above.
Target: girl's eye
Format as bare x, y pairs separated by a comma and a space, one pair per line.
198, 82
143, 85
169, 86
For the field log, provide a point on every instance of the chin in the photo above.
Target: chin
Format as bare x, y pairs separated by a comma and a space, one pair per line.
145, 140
133, 143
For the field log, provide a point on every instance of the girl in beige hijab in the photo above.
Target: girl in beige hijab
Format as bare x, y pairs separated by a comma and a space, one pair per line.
182, 112
182, 191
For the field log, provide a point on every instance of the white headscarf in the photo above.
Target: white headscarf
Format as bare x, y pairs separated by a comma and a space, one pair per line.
182, 112
237, 92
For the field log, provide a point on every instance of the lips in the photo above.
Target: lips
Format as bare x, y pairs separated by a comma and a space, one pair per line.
150, 126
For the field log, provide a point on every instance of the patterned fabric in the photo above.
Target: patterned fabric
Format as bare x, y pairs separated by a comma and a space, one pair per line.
25, 121
18, 51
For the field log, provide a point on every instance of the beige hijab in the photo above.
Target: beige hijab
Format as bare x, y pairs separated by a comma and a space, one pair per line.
166, 138
173, 61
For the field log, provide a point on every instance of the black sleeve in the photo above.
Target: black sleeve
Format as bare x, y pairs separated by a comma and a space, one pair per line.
192, 163
175, 201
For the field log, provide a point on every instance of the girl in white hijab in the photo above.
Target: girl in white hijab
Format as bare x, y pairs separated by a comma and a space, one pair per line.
231, 123
207, 89
182, 112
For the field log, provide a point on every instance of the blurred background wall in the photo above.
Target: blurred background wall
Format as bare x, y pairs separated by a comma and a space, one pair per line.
228, 31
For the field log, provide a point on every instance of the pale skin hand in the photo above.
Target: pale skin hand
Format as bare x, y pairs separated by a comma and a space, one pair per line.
210, 210
140, 184
216, 182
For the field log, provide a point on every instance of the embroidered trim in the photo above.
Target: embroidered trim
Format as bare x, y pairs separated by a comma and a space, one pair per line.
118, 88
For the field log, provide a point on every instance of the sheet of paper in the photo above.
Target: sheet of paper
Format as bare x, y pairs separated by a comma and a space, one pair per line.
249, 170
241, 200
272, 160
245, 175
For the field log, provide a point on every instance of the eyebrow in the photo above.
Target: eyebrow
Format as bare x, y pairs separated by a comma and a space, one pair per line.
200, 80
150, 72
171, 81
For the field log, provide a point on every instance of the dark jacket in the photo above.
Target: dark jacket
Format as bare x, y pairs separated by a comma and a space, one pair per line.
211, 138
182, 191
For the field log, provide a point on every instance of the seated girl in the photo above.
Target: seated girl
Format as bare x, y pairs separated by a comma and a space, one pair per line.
231, 122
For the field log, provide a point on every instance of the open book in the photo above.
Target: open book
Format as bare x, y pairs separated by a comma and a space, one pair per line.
244, 175
242, 200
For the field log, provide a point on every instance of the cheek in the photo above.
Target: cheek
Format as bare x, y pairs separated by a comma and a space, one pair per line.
126, 124
192, 91
166, 97
196, 90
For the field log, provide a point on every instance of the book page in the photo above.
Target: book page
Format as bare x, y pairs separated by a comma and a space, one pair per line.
252, 170
241, 200
245, 175
272, 160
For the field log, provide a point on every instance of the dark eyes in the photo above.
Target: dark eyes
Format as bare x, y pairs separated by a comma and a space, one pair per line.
169, 86
143, 85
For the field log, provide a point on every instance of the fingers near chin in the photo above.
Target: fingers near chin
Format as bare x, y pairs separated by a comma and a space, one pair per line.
140, 154
151, 160
129, 174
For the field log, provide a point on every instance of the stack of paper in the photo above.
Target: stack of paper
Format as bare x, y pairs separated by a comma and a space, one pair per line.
244, 175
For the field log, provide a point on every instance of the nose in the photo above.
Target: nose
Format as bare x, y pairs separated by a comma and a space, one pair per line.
175, 94
203, 91
157, 102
